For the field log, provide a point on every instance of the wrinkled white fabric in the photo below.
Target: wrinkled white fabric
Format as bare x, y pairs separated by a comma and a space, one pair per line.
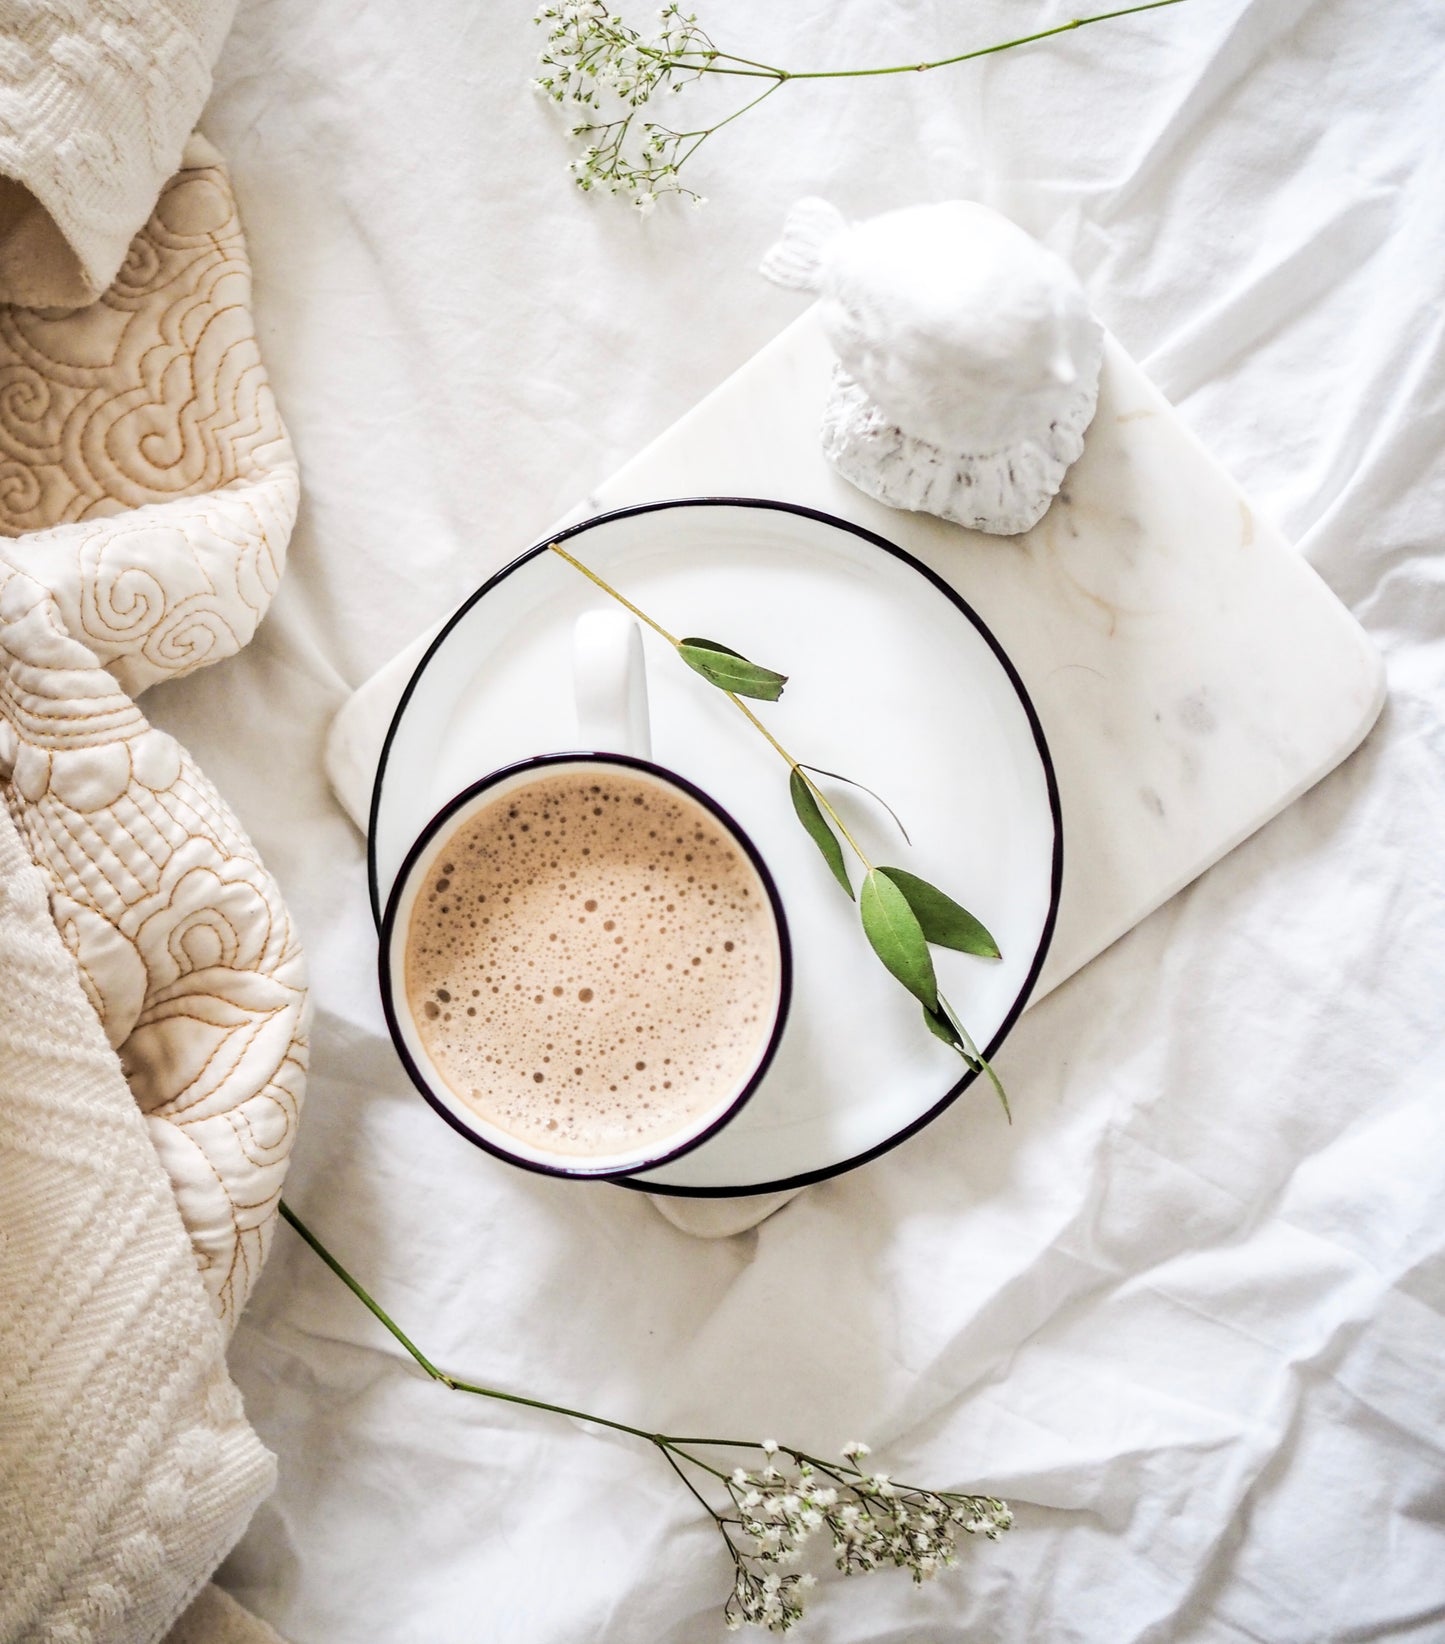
1187, 1313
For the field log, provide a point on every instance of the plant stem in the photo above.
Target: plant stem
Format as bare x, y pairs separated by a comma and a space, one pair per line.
747, 62
970, 1051
760, 71
974, 1056
818, 793
706, 1504
982, 51
621, 599
737, 702
664, 1441
737, 114
289, 1216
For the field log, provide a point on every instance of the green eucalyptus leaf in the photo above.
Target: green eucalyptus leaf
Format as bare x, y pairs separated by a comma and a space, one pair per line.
999, 1091
943, 920
819, 832
897, 937
729, 670
973, 1055
944, 1024
941, 1028
712, 645
837, 776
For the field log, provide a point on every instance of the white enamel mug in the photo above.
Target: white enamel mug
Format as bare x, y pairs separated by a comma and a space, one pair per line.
611, 696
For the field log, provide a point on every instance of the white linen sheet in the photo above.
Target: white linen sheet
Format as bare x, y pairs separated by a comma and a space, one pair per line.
1187, 1313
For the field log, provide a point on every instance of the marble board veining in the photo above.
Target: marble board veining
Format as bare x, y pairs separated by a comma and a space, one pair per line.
1192, 673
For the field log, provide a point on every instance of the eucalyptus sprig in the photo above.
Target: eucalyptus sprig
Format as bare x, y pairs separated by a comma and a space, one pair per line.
901, 913
604, 73
767, 1513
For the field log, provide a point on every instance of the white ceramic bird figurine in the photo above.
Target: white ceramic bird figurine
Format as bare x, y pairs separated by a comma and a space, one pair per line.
968, 359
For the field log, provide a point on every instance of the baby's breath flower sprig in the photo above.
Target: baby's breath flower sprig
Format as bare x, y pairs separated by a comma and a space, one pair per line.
767, 1514
603, 73
869, 1520
901, 914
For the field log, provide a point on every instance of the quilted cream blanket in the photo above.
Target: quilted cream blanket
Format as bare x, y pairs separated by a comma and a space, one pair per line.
149, 489
127, 1467
154, 1009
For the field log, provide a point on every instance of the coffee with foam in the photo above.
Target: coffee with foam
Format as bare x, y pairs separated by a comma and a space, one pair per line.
592, 963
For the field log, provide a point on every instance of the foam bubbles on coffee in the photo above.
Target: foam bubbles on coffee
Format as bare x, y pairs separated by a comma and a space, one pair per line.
592, 963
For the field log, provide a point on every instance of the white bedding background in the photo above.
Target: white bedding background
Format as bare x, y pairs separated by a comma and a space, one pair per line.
1187, 1313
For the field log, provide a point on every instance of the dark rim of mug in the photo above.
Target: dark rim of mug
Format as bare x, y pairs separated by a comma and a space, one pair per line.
823, 1173
439, 823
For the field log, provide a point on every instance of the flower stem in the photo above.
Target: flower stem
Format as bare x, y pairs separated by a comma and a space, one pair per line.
663, 1441
706, 1504
982, 51
737, 114
289, 1216
769, 71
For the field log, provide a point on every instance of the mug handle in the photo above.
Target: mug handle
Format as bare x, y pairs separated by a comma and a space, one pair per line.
609, 681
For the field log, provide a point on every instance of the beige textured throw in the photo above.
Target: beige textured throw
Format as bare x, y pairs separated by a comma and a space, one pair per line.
148, 489
216, 1618
96, 103
127, 1469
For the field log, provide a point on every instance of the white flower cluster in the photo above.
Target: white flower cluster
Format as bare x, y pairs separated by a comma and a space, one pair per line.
870, 1520
603, 71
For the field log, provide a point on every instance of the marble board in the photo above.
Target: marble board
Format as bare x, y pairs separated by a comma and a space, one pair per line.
1192, 673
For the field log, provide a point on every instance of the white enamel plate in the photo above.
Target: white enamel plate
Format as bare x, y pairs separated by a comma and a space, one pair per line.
893, 681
